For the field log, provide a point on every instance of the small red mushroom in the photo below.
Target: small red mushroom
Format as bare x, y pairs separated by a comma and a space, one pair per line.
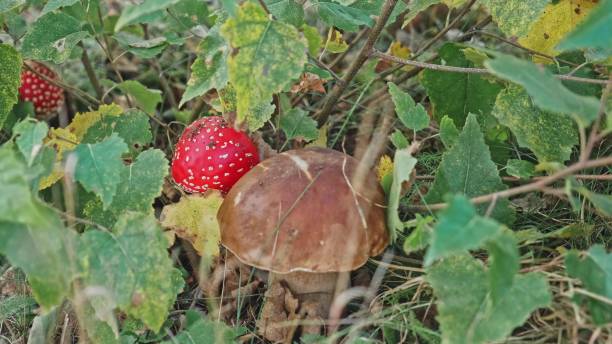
46, 97
212, 155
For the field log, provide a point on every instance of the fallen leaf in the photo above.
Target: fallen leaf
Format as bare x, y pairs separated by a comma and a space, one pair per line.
194, 218
309, 82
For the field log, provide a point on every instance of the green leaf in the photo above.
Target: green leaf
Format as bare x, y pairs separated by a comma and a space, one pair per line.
142, 48
190, 13
399, 140
146, 98
504, 263
467, 315
298, 125
43, 328
271, 54
53, 5
10, 78
343, 17
288, 11
260, 114
595, 272
98, 167
550, 136
415, 7
209, 70
32, 236
30, 135
141, 182
594, 32
133, 266
459, 229
52, 37
133, 127
520, 168
547, 92
515, 17
448, 132
9, 5
412, 115
420, 237
467, 168
314, 44
403, 164
458, 94
100, 325
38, 247
201, 330
16, 202
134, 14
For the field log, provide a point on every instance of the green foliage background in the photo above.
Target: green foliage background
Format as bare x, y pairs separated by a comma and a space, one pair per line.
497, 177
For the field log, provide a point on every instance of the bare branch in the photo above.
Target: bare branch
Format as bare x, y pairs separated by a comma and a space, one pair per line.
535, 186
454, 69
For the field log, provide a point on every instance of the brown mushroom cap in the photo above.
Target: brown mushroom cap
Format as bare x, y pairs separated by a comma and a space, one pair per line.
298, 211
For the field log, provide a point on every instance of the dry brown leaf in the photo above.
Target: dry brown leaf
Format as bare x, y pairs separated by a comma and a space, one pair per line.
309, 82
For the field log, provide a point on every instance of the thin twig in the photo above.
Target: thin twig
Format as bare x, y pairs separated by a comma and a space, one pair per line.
263, 4
381, 94
516, 45
362, 57
454, 69
537, 185
91, 73
599, 177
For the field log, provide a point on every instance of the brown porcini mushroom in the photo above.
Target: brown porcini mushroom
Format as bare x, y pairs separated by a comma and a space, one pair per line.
300, 216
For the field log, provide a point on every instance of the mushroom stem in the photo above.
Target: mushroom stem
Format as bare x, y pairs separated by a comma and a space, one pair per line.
303, 296
312, 288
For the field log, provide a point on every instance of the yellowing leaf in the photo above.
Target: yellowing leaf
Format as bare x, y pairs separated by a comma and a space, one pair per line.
84, 120
384, 167
453, 3
335, 44
271, 54
61, 140
321, 141
194, 218
554, 24
66, 139
397, 49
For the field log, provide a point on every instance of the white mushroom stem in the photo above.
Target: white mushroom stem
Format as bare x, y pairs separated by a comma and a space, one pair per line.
312, 288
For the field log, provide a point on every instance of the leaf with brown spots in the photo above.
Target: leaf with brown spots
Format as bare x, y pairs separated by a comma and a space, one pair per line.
557, 20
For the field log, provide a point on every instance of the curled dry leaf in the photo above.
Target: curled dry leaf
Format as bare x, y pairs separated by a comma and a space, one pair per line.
309, 82
280, 307
193, 218
228, 283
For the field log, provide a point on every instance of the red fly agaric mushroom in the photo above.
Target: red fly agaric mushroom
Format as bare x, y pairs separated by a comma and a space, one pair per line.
299, 216
212, 155
46, 97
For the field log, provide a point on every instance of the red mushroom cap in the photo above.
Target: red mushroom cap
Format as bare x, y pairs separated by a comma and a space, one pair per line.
212, 155
46, 97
